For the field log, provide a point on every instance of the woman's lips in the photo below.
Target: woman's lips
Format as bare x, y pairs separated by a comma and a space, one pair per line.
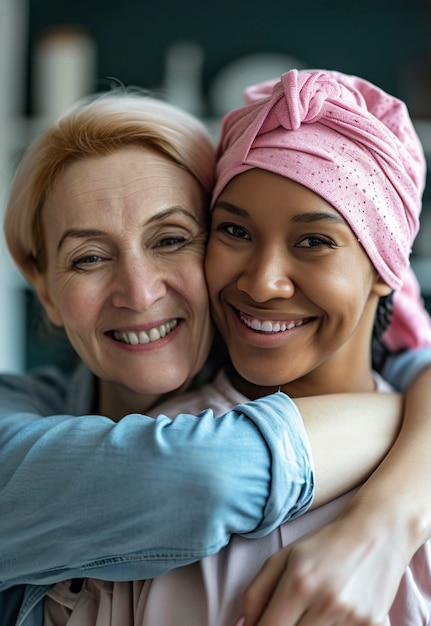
270, 326
135, 338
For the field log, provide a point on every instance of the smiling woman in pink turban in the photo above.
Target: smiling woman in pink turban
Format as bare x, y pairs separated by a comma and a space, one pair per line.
304, 150
354, 145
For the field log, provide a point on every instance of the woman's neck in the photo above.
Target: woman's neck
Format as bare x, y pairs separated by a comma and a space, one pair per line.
314, 383
115, 401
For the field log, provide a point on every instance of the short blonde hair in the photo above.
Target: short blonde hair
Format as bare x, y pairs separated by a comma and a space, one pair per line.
98, 126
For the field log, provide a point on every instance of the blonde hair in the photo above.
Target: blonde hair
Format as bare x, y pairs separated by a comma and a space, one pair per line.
96, 127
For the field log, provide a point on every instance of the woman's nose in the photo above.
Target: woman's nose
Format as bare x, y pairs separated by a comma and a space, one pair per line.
267, 276
138, 285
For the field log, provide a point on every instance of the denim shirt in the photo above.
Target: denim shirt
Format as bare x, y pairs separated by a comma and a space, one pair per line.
245, 472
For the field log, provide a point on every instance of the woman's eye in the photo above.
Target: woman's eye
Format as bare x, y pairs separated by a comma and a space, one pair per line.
175, 241
314, 241
90, 259
234, 230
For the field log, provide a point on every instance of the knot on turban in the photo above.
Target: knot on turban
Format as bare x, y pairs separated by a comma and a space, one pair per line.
348, 141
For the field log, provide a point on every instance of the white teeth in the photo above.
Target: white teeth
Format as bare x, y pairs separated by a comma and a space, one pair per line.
154, 334
255, 324
143, 336
133, 339
267, 326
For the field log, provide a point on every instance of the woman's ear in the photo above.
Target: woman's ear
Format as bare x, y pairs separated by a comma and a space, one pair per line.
380, 288
40, 285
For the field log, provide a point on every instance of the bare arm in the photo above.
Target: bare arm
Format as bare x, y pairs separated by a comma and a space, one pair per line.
350, 434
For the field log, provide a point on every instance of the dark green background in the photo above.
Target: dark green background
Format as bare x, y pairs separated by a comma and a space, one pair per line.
386, 41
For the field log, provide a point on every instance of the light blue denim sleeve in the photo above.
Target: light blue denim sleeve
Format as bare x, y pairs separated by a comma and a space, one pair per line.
400, 369
85, 496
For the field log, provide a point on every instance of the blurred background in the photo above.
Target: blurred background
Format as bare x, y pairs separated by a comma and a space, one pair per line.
200, 56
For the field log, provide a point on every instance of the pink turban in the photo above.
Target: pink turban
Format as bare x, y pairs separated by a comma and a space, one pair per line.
355, 146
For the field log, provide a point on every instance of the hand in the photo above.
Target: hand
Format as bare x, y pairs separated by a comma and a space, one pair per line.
344, 574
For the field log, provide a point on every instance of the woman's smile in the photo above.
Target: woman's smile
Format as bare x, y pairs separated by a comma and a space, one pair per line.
262, 331
141, 337
270, 327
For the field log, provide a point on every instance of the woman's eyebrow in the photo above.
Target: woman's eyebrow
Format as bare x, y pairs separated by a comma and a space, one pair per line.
82, 233
172, 211
311, 216
78, 233
232, 208
316, 216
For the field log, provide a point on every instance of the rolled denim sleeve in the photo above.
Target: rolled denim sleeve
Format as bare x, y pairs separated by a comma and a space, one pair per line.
292, 470
85, 496
402, 368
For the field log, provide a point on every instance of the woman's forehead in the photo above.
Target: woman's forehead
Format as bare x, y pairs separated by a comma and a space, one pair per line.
137, 177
